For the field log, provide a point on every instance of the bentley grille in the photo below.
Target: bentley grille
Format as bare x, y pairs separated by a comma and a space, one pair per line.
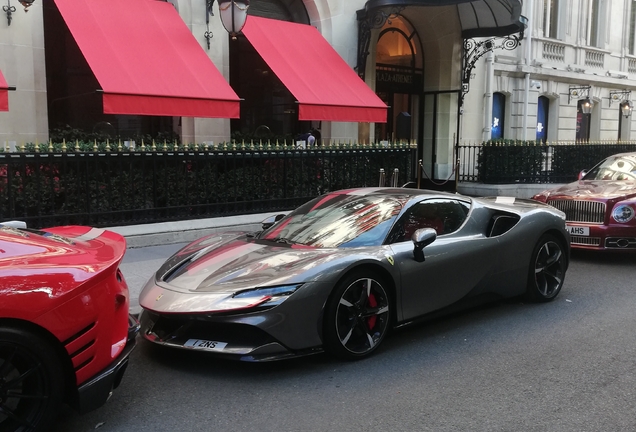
587, 241
581, 211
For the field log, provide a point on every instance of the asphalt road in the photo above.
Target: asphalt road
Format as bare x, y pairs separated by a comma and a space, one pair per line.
569, 365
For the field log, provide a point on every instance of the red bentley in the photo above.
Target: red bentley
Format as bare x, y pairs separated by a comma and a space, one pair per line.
65, 331
600, 206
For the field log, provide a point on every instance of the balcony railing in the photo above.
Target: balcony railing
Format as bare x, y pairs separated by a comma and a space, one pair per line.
594, 59
554, 52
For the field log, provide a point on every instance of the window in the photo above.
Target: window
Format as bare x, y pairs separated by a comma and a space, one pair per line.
498, 115
443, 215
551, 18
543, 112
632, 29
582, 123
596, 14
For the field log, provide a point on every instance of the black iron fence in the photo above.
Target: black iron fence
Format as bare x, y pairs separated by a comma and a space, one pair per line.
529, 162
55, 186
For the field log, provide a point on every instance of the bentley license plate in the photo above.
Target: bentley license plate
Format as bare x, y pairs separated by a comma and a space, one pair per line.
579, 230
205, 344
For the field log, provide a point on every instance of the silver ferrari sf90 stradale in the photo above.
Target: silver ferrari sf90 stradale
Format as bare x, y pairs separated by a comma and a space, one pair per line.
341, 270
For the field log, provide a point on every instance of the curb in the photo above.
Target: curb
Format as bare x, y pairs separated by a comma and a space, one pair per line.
155, 234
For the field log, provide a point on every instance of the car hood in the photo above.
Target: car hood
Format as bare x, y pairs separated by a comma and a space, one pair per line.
229, 262
595, 189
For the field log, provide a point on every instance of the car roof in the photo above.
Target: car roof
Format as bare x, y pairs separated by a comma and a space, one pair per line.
399, 192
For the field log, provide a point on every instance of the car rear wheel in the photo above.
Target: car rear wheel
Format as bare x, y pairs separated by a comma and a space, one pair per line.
31, 383
357, 316
547, 269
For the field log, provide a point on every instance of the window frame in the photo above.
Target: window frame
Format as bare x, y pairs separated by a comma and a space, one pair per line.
467, 207
499, 101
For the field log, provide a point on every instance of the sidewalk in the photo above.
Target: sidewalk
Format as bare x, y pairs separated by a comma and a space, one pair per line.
156, 234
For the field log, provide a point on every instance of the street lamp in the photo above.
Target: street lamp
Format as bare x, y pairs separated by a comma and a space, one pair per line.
26, 4
233, 14
586, 106
626, 108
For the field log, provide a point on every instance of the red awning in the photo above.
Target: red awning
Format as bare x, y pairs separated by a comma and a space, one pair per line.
146, 59
322, 82
4, 93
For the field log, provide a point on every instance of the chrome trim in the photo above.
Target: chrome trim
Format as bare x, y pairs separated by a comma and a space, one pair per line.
581, 210
587, 241
620, 242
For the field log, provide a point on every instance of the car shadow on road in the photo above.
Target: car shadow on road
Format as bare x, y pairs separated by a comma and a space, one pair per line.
619, 258
414, 337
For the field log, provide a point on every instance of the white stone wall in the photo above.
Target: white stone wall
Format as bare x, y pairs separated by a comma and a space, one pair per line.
22, 64
557, 64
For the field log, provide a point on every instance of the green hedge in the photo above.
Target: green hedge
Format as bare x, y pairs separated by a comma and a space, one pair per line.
505, 162
113, 188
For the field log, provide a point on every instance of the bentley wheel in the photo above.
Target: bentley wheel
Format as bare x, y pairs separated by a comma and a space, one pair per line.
357, 316
547, 270
30, 382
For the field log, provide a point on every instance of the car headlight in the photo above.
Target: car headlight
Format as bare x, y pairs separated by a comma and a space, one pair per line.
258, 297
623, 213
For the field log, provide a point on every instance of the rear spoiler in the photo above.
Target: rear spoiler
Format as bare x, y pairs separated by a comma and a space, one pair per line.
14, 224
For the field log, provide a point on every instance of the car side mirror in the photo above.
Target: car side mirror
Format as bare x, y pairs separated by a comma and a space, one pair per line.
582, 174
270, 221
422, 238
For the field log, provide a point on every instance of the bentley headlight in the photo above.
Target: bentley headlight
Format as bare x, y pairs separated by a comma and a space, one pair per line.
623, 213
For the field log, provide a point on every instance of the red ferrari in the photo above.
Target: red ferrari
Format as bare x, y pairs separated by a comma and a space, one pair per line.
65, 330
600, 206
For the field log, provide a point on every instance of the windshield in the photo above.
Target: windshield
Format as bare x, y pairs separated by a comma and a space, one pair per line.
338, 220
614, 168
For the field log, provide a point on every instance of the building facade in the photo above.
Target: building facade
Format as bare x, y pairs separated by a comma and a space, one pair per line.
72, 71
576, 56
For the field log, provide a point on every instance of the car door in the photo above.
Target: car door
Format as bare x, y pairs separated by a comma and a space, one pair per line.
456, 262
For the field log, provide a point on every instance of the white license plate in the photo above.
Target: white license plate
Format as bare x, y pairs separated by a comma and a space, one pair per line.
579, 230
205, 344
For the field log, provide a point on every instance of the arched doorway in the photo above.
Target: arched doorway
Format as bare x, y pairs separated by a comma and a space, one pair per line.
399, 70
268, 109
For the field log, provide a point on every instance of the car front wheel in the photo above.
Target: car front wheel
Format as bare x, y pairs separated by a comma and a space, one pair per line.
547, 269
357, 316
31, 383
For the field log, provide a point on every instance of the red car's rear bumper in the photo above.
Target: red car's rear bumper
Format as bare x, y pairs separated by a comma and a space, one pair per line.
96, 391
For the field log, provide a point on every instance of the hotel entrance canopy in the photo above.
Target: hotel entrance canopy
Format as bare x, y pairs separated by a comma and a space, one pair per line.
478, 18
146, 60
324, 85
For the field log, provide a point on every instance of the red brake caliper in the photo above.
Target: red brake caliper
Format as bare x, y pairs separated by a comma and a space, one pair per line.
372, 319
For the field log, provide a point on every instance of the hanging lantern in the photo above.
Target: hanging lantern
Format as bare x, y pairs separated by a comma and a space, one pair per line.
26, 4
233, 15
626, 108
586, 106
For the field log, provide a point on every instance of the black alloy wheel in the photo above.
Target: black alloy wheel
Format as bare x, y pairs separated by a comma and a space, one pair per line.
547, 269
30, 382
357, 317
